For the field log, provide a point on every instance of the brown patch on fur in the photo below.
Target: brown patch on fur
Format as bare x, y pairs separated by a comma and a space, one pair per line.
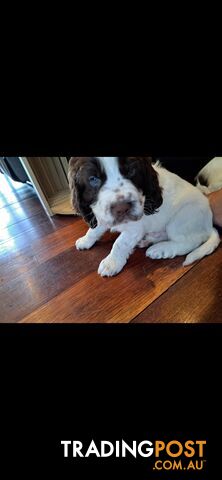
82, 193
140, 172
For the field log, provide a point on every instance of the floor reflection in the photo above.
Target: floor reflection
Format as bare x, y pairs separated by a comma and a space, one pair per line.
12, 207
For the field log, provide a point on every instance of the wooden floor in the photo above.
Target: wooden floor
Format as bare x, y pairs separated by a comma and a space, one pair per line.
43, 278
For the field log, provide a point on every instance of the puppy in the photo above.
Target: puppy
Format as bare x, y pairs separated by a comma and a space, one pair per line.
146, 204
209, 179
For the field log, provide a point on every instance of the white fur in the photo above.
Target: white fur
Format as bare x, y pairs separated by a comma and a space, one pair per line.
213, 174
115, 186
91, 237
182, 225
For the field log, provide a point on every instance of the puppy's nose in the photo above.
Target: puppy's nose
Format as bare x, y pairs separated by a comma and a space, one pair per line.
120, 209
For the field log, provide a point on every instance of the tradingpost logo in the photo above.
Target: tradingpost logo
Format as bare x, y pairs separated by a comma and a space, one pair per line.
171, 455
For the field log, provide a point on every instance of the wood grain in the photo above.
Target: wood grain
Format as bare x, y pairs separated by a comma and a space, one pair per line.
17, 260
19, 211
197, 297
118, 299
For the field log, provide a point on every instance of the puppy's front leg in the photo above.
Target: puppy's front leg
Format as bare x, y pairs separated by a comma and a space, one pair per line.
91, 237
122, 249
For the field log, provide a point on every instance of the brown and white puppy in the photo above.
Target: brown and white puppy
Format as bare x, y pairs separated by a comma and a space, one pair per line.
145, 203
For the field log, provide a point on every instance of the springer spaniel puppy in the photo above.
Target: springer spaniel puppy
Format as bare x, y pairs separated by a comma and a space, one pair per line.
146, 204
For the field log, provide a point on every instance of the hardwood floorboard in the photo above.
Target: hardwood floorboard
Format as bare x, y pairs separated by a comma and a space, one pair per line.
13, 192
197, 297
36, 233
11, 214
37, 223
94, 299
21, 260
23, 288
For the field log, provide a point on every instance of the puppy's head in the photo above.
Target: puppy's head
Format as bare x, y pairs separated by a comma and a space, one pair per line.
113, 190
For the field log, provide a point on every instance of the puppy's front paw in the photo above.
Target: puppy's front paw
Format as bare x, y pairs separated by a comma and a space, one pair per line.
110, 266
84, 243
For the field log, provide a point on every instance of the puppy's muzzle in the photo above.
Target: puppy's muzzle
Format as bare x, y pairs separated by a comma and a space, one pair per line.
121, 210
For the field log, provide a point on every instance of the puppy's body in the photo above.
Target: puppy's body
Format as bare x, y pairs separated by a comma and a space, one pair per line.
148, 206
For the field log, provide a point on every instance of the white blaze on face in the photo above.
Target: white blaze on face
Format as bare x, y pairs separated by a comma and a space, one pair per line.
111, 168
114, 187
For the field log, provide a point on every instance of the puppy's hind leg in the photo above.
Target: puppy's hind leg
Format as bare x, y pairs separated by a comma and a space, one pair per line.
152, 237
171, 249
187, 231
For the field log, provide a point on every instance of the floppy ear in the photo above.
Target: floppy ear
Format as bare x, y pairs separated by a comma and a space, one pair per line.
80, 206
74, 165
151, 187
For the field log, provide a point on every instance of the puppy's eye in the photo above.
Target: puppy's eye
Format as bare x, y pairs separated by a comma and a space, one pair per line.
95, 182
131, 172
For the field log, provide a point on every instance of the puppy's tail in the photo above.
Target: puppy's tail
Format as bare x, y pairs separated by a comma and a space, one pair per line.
206, 249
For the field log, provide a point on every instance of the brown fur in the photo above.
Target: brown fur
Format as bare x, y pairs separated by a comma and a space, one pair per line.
145, 179
82, 194
139, 170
